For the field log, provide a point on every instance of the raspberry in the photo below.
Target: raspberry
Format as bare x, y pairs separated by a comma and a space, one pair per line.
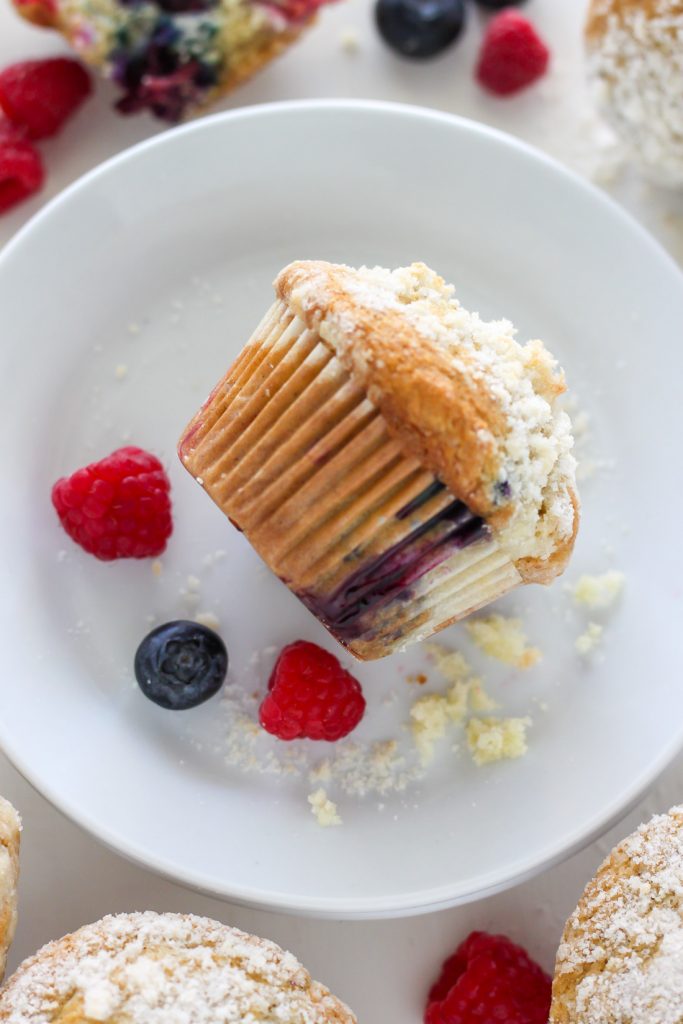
21, 168
40, 95
512, 54
118, 507
488, 979
311, 695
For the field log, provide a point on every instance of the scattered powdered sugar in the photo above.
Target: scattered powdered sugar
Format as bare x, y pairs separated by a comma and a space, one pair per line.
636, 61
624, 943
166, 969
356, 768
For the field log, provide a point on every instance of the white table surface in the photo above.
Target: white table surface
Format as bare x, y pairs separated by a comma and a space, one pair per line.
382, 969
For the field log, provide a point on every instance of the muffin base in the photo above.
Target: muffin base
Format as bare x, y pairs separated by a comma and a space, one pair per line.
301, 461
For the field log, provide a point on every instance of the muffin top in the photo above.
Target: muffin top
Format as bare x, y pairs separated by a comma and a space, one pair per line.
635, 59
621, 957
165, 969
172, 57
478, 409
10, 829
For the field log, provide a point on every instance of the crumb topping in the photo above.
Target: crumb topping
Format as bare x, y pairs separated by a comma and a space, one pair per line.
636, 61
621, 958
165, 969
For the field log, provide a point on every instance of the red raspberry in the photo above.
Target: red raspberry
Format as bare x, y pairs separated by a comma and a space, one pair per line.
118, 507
40, 95
311, 695
512, 54
21, 168
489, 979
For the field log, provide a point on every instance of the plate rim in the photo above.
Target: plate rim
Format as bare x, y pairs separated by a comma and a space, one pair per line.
414, 902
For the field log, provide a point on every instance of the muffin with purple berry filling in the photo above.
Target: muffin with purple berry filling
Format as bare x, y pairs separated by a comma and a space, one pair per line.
172, 57
397, 461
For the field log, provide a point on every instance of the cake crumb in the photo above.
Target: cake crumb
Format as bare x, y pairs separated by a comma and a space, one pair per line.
433, 713
480, 700
598, 591
452, 665
193, 583
430, 719
497, 739
324, 810
589, 639
349, 41
121, 371
157, 567
504, 639
209, 620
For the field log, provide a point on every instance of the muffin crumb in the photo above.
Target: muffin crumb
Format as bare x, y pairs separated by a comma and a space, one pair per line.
504, 639
208, 619
324, 810
497, 739
598, 591
589, 639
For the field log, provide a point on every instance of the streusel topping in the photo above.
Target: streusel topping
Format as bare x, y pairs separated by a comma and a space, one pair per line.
621, 958
635, 52
166, 969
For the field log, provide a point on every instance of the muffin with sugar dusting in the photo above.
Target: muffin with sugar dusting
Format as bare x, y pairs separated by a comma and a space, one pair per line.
173, 57
10, 832
165, 969
621, 956
635, 58
397, 461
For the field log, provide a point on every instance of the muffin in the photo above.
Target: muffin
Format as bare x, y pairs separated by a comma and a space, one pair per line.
635, 60
165, 969
621, 957
10, 829
395, 460
172, 57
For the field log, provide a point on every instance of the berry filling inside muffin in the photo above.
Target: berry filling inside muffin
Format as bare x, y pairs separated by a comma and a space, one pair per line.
388, 577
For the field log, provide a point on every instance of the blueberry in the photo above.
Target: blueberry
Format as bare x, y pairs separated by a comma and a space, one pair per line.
180, 665
420, 28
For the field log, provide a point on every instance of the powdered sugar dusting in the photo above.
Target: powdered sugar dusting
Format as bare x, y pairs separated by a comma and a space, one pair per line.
636, 61
356, 768
166, 969
624, 943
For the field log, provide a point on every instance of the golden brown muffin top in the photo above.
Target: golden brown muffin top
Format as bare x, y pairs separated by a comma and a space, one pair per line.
621, 957
478, 409
165, 969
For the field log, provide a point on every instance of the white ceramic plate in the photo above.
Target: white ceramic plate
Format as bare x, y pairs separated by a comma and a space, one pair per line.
161, 262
